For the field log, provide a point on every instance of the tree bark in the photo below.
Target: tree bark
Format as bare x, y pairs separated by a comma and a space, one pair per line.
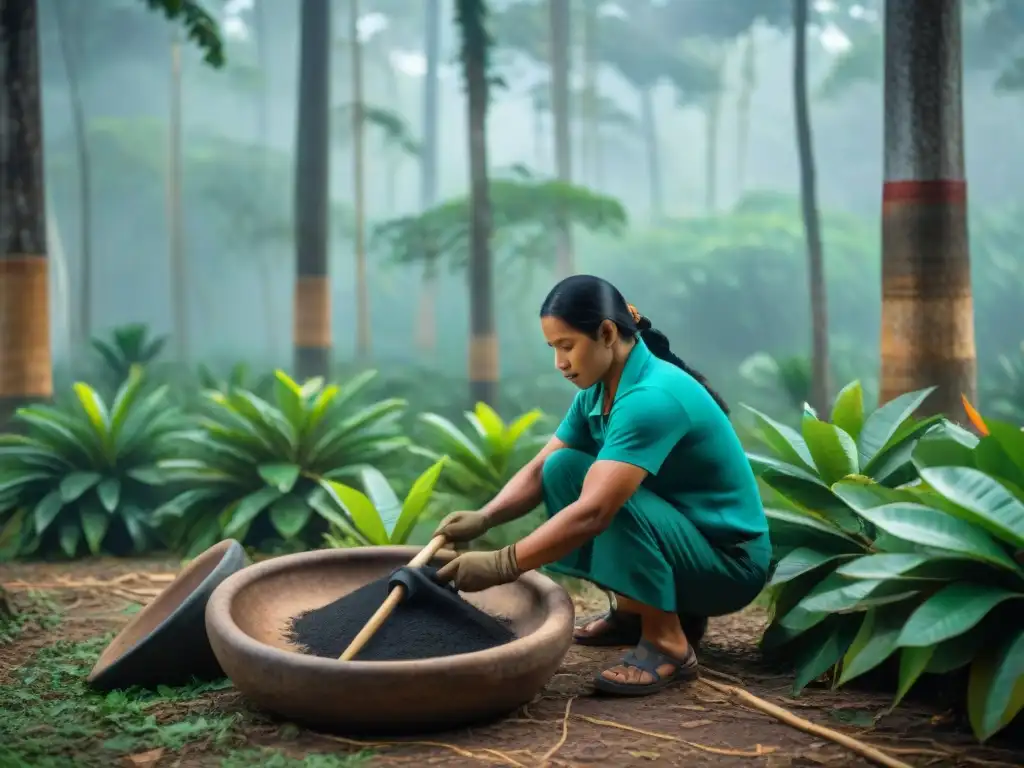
559, 15
71, 64
650, 128
426, 326
483, 347
820, 388
359, 186
927, 306
312, 328
25, 363
179, 269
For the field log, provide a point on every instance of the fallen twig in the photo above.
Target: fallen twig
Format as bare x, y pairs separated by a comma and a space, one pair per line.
440, 744
565, 735
865, 750
758, 751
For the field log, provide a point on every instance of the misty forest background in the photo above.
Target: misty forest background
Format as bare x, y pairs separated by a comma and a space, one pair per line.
708, 242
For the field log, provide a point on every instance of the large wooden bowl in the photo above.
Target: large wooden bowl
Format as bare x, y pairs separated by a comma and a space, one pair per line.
248, 616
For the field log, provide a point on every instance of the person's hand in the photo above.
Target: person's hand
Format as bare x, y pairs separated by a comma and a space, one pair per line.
460, 527
474, 571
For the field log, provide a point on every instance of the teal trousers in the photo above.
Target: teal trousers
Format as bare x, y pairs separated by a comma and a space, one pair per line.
652, 553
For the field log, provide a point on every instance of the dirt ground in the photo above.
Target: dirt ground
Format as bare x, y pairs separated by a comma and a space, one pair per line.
691, 725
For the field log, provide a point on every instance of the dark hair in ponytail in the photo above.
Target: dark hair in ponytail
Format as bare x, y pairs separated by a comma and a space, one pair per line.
586, 301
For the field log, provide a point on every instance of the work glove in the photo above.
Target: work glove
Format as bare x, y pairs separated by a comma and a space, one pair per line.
460, 527
474, 571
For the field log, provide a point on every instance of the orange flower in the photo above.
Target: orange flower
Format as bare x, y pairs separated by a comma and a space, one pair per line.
974, 416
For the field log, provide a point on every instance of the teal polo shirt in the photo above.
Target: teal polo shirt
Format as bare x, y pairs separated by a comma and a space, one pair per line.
664, 421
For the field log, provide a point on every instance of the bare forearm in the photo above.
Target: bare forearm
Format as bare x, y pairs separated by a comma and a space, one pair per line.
563, 533
520, 495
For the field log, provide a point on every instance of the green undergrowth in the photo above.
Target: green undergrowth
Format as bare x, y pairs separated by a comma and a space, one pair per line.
35, 607
52, 717
267, 757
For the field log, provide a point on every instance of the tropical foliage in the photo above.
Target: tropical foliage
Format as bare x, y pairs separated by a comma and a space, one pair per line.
900, 543
480, 460
128, 345
378, 517
85, 476
261, 471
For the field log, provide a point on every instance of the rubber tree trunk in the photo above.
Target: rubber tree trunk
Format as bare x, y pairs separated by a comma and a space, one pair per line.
820, 386
650, 129
927, 308
483, 344
72, 62
25, 362
359, 185
312, 312
175, 225
559, 21
426, 326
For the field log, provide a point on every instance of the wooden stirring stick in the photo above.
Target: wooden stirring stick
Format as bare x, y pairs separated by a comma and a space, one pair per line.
393, 599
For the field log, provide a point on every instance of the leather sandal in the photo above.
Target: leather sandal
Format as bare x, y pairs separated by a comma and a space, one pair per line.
647, 658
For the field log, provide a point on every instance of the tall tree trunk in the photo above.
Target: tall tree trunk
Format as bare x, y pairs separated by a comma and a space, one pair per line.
820, 387
650, 130
265, 254
426, 326
179, 269
25, 364
927, 306
391, 155
560, 47
748, 81
71, 65
483, 345
712, 130
590, 169
312, 327
359, 185
539, 156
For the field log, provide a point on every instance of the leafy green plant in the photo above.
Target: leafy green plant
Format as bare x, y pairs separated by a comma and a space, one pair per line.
932, 574
129, 345
480, 461
86, 475
378, 517
259, 471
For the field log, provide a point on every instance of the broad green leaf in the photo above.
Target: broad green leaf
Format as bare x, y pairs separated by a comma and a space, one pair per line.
151, 475
799, 618
124, 400
957, 652
875, 641
810, 531
867, 495
760, 464
289, 515
491, 425
416, 502
882, 424
327, 507
133, 518
521, 425
11, 534
74, 485
289, 399
1010, 438
281, 476
95, 411
320, 406
906, 566
46, 510
894, 465
109, 493
95, 522
848, 409
913, 662
800, 561
834, 452
249, 508
821, 656
384, 499
203, 534
70, 534
930, 527
360, 510
986, 502
941, 451
182, 504
815, 500
995, 691
993, 460
951, 611
840, 597
57, 434
784, 440
452, 441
